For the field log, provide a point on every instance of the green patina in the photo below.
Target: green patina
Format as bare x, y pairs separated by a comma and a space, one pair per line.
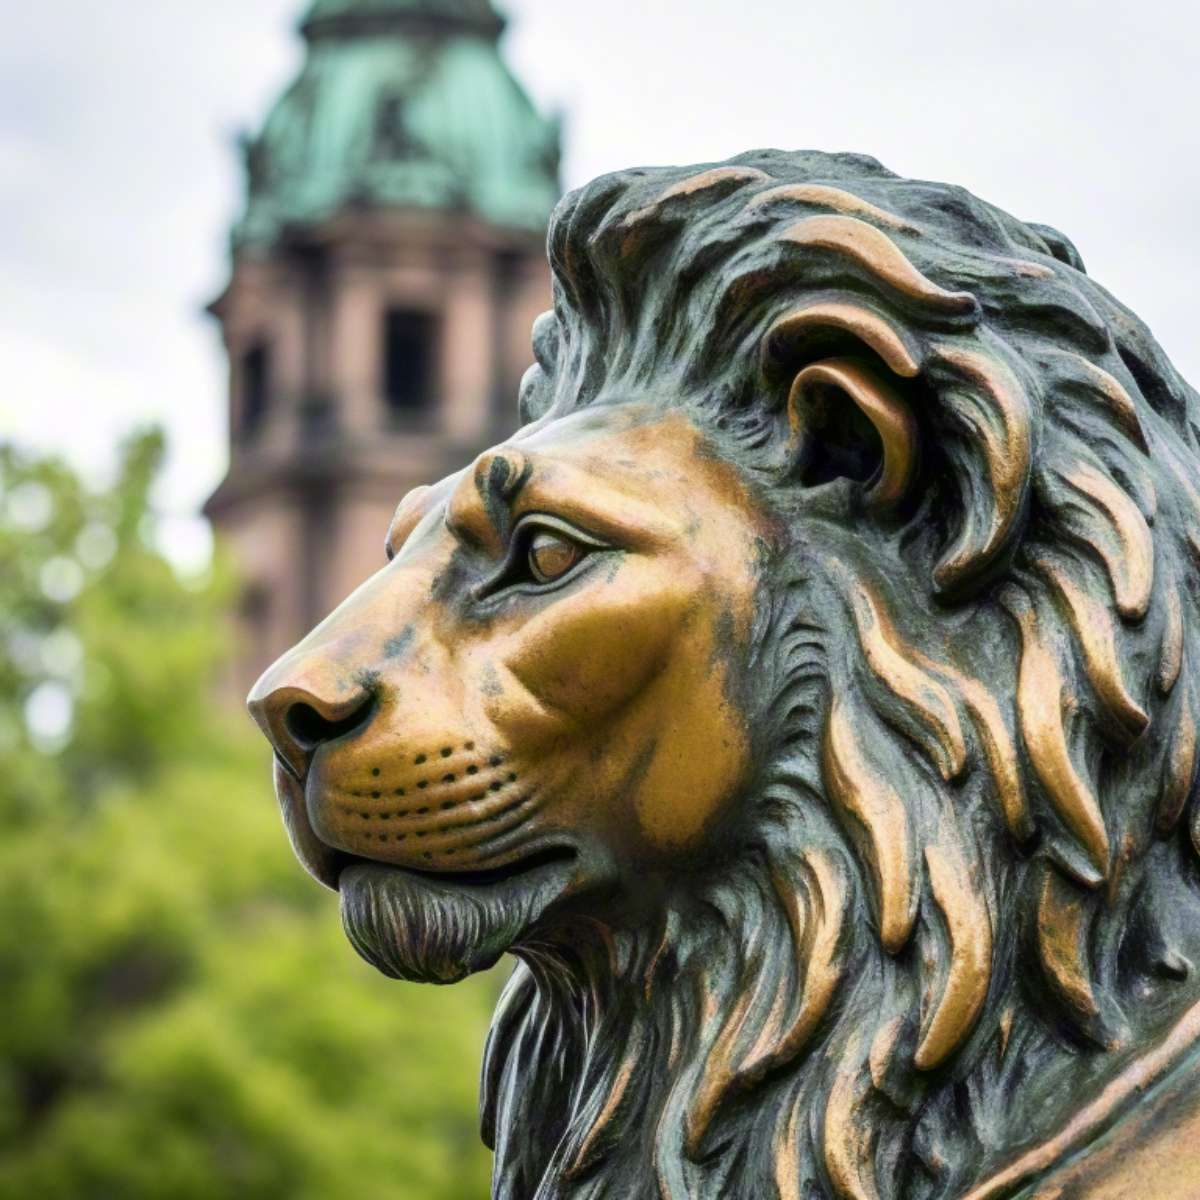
400, 103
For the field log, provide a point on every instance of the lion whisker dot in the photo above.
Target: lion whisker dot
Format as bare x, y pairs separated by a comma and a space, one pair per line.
512, 778
421, 833
385, 816
497, 786
495, 762
365, 816
374, 770
448, 804
375, 795
383, 837
422, 811
481, 796
419, 759
468, 746
447, 751
423, 784
428, 854
399, 792
447, 778
401, 836
472, 770
402, 813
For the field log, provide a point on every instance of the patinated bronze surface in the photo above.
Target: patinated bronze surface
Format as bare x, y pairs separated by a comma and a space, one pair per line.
806, 695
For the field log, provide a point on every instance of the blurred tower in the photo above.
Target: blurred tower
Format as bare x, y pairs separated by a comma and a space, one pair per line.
386, 272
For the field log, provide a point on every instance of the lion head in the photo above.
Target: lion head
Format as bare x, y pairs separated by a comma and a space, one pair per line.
806, 695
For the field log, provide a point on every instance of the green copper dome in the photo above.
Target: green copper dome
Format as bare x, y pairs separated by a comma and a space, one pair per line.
400, 103
331, 17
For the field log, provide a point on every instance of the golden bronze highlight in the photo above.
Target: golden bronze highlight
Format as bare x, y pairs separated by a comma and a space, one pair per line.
1180, 772
877, 255
849, 1155
1060, 939
718, 179
822, 196
934, 717
1093, 626
990, 405
1040, 694
1171, 660
1000, 752
1113, 526
872, 330
591, 1147
970, 969
867, 797
817, 936
1118, 402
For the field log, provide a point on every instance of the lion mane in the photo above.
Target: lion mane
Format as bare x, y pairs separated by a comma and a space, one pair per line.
966, 869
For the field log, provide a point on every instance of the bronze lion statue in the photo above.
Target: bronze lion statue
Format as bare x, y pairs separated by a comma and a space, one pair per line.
806, 695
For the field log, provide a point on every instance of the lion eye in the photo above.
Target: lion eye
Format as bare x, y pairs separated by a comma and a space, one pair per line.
551, 555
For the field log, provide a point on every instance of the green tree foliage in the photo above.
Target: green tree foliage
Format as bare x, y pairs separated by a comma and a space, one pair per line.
180, 1015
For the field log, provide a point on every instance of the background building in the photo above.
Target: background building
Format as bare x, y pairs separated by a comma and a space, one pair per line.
386, 271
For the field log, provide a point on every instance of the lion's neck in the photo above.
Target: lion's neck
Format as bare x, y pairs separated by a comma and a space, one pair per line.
617, 1066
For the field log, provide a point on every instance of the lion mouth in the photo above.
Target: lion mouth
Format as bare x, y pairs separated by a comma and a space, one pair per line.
482, 878
438, 927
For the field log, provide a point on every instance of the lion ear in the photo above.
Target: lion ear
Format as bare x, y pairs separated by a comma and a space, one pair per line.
865, 398
848, 420
535, 394
849, 416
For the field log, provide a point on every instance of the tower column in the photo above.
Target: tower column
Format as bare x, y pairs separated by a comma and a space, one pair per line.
469, 349
357, 309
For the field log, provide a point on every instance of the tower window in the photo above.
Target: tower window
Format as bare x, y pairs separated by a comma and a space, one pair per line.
409, 359
256, 382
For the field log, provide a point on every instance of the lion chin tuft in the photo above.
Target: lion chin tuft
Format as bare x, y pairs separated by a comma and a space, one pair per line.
427, 929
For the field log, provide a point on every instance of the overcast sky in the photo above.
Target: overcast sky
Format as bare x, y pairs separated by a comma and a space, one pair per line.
118, 176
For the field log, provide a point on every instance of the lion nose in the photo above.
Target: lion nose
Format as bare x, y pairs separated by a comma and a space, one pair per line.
298, 715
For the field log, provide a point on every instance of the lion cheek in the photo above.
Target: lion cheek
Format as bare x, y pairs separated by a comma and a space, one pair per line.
699, 760
596, 655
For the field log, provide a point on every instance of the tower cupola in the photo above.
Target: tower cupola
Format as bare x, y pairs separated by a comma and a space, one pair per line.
400, 103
